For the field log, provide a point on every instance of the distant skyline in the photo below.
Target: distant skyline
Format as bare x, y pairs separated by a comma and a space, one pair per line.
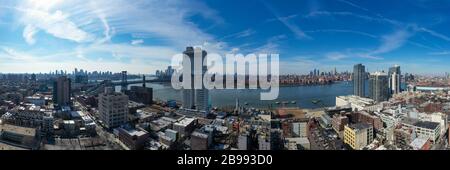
142, 36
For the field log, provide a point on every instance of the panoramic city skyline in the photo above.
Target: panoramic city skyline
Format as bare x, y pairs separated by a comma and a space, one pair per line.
252, 75
141, 37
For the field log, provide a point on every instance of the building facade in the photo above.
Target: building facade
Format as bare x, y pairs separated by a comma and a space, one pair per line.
379, 87
140, 94
113, 108
197, 98
359, 135
62, 91
395, 79
359, 77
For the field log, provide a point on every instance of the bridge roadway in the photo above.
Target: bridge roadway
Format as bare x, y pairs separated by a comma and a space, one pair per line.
119, 83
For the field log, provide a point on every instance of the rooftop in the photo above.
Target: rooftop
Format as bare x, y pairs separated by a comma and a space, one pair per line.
418, 143
18, 130
4, 146
354, 98
185, 121
360, 126
418, 123
427, 124
409, 121
377, 73
199, 134
135, 132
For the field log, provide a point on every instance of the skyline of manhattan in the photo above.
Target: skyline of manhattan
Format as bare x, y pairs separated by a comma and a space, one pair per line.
141, 37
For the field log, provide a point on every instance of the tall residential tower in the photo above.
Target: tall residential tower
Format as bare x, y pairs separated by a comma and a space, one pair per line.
394, 79
359, 77
379, 86
196, 98
62, 91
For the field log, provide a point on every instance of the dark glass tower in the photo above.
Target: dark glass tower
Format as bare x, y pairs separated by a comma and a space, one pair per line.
359, 76
379, 86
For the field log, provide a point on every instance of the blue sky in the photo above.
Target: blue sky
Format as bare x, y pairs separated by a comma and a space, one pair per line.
142, 36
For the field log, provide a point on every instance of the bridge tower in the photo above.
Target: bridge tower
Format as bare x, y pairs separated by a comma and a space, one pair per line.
143, 80
124, 81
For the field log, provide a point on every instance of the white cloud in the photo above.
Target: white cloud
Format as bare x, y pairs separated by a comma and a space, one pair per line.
43, 4
137, 42
434, 33
234, 50
440, 53
343, 31
93, 24
298, 64
28, 34
44, 15
354, 5
145, 59
351, 14
271, 46
161, 53
12, 55
289, 17
392, 41
285, 21
82, 22
377, 18
336, 56
241, 34
165, 20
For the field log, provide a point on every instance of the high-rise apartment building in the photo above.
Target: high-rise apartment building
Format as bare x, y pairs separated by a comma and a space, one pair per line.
359, 77
379, 86
62, 91
196, 98
394, 79
113, 107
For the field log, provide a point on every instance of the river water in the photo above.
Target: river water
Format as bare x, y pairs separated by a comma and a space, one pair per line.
302, 95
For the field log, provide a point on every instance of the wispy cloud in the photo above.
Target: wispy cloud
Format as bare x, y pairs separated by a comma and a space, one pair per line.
360, 8
392, 41
342, 31
36, 16
15, 56
389, 42
351, 14
147, 59
285, 21
289, 17
433, 33
440, 53
336, 56
271, 46
381, 18
91, 26
241, 34
137, 42
81, 22
298, 64
28, 34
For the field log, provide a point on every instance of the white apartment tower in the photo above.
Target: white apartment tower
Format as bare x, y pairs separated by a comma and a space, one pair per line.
196, 98
394, 79
113, 107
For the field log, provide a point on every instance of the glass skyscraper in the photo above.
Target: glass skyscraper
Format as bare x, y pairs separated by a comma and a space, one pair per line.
394, 79
359, 76
196, 98
379, 86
